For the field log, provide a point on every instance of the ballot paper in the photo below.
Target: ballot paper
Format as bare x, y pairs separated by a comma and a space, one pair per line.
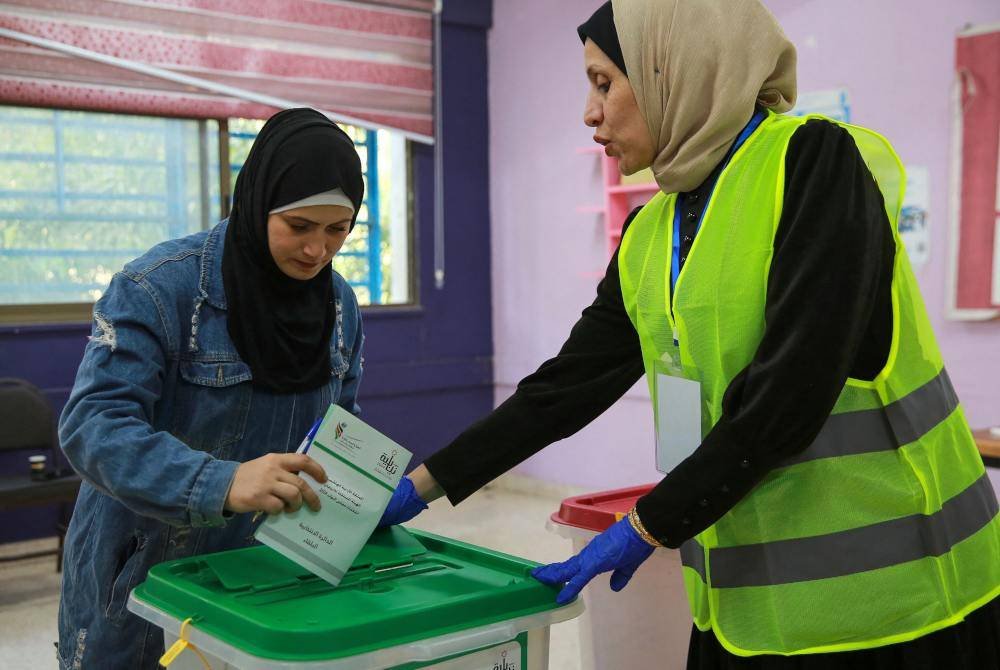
362, 468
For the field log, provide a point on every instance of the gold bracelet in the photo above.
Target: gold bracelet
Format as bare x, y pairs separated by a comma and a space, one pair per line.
633, 518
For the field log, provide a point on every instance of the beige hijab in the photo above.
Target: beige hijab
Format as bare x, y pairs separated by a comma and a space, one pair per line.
697, 68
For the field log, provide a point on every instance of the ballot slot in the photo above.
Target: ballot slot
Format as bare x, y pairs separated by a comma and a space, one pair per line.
255, 576
258, 577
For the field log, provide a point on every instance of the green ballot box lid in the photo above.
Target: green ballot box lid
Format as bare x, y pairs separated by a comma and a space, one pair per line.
404, 586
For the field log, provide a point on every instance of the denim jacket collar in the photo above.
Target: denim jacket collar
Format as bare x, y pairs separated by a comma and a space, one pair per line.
210, 284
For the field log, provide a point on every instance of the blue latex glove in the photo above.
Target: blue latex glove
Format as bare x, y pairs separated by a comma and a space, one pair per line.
404, 504
619, 548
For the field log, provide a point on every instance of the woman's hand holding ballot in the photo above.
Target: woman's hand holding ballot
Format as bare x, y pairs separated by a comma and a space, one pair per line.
619, 548
271, 484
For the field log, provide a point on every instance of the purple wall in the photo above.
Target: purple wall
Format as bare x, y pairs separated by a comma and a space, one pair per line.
428, 369
896, 59
546, 255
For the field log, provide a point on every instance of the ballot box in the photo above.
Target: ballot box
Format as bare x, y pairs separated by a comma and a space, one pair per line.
411, 600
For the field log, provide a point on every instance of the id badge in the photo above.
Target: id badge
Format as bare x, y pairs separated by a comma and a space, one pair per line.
678, 420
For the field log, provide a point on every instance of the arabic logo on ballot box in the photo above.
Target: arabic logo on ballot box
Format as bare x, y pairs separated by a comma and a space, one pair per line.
502, 664
388, 462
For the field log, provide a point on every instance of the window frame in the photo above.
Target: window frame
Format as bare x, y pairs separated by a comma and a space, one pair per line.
32, 314
413, 305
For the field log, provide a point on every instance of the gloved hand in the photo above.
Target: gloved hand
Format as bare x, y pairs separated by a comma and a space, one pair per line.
403, 506
619, 548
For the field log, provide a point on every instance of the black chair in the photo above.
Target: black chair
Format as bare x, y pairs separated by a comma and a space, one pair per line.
27, 424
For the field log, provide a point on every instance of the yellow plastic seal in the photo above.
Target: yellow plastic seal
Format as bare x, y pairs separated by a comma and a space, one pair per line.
180, 645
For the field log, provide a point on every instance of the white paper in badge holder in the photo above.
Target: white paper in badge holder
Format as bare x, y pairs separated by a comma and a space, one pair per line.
678, 420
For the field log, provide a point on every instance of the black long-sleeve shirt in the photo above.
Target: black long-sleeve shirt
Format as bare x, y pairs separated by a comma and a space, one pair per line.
828, 316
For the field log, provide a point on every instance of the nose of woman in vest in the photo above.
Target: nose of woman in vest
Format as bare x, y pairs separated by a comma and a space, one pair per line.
612, 111
304, 240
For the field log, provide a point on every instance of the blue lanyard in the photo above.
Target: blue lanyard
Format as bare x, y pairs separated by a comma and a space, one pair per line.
675, 265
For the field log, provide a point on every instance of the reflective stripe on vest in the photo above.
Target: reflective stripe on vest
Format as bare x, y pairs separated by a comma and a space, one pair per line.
883, 429
848, 552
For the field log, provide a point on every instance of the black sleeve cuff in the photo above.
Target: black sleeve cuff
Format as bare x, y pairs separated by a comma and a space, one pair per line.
700, 490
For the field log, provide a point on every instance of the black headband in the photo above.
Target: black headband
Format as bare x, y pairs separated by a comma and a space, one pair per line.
600, 28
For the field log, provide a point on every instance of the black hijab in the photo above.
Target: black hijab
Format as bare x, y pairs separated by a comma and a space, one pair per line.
600, 28
282, 326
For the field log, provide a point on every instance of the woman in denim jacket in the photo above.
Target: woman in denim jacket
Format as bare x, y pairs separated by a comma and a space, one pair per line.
209, 359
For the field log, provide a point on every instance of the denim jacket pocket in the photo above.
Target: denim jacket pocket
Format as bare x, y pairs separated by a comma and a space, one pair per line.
125, 577
211, 405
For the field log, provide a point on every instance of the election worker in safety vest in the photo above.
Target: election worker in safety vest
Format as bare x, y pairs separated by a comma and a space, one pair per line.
823, 486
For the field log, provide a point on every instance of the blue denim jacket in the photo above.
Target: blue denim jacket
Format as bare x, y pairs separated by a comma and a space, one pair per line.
162, 413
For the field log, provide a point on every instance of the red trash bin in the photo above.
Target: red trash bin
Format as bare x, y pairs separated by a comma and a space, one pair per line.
648, 624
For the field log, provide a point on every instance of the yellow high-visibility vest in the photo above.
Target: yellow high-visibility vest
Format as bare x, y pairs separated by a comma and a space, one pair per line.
886, 527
